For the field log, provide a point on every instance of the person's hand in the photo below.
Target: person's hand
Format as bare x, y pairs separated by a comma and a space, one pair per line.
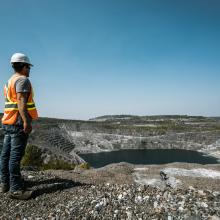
27, 128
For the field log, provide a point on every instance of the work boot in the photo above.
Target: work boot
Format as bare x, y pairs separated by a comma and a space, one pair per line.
21, 194
4, 188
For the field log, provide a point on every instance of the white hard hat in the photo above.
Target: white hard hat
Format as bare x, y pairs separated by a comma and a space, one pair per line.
20, 58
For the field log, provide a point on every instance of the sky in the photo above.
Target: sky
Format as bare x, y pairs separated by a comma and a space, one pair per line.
107, 57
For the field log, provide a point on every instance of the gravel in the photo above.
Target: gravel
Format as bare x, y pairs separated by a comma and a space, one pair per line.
58, 198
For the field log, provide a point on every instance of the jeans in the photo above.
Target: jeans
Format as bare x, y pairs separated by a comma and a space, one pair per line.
0, 170
13, 149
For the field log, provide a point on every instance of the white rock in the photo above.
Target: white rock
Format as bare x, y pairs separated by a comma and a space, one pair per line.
170, 217
93, 201
141, 168
165, 195
204, 205
155, 204
180, 209
104, 202
120, 197
129, 215
125, 194
200, 172
191, 188
216, 193
169, 196
98, 207
173, 182
214, 217
201, 193
146, 198
138, 199
30, 177
158, 196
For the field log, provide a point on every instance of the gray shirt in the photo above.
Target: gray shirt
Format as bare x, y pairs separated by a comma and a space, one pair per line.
22, 84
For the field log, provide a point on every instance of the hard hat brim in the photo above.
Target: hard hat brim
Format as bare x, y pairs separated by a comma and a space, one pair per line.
23, 62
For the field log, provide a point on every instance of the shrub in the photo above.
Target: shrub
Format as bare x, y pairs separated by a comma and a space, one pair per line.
32, 156
58, 165
85, 166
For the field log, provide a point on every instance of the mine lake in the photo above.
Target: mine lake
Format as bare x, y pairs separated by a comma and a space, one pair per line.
147, 156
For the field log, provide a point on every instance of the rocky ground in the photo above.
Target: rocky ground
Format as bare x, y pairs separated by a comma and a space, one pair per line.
120, 191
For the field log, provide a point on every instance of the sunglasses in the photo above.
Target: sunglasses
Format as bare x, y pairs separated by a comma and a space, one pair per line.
27, 66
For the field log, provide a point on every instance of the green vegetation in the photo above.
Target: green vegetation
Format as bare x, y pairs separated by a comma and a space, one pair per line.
58, 165
33, 157
85, 166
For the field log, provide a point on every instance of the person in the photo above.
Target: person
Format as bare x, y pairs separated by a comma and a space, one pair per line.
19, 112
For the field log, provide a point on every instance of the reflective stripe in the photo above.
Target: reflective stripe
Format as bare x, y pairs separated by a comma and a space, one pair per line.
28, 103
11, 106
10, 102
30, 106
15, 105
10, 109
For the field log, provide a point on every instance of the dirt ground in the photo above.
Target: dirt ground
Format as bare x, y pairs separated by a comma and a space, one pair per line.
123, 173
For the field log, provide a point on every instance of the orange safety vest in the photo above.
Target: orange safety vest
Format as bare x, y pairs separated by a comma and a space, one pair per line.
11, 104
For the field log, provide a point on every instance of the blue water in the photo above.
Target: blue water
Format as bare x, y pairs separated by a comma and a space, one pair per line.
147, 156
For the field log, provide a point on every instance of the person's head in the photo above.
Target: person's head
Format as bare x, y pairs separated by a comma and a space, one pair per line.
21, 64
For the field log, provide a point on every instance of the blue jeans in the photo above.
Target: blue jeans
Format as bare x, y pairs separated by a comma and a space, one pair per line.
13, 149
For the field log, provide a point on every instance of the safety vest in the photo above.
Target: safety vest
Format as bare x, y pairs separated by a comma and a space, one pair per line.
11, 104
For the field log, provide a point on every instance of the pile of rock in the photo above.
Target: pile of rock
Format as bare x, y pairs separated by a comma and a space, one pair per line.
57, 198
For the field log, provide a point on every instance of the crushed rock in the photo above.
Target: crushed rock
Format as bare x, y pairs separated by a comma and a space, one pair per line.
58, 197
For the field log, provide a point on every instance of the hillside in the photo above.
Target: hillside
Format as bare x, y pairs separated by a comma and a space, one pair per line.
69, 137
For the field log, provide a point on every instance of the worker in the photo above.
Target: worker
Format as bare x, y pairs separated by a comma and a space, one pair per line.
19, 112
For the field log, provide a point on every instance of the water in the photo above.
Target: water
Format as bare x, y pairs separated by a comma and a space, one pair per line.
147, 156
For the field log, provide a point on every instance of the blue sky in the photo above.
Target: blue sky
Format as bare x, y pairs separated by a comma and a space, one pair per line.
98, 57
